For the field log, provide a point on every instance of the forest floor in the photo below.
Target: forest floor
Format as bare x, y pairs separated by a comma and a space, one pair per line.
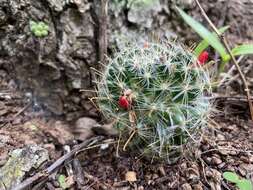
226, 145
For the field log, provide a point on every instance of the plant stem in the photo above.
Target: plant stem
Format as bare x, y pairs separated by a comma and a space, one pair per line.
225, 43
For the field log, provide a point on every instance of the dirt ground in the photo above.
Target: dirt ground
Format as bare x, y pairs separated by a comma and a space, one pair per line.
226, 145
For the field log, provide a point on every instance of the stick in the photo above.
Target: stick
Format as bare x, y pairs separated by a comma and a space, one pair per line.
45, 173
79, 177
225, 43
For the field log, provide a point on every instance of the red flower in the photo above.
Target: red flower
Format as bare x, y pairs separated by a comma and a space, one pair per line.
123, 102
203, 57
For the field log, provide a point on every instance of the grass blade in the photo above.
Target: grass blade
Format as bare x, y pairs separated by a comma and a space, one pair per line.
203, 32
243, 49
204, 44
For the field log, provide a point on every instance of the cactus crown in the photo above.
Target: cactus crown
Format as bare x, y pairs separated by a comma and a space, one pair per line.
164, 87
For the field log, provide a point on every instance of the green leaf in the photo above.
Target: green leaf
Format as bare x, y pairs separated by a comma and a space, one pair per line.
203, 32
243, 49
62, 181
204, 44
231, 176
244, 184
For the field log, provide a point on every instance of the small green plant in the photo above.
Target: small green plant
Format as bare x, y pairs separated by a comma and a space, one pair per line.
62, 181
242, 184
156, 96
213, 40
39, 29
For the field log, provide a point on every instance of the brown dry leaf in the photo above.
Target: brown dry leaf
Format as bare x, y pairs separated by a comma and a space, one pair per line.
130, 176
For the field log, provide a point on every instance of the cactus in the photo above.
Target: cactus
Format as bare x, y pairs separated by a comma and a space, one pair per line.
156, 95
39, 29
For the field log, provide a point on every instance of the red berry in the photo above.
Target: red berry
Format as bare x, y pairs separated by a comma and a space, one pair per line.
203, 57
123, 102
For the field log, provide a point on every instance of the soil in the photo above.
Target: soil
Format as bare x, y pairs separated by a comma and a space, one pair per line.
40, 94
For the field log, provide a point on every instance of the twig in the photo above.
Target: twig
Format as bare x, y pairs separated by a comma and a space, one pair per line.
224, 41
79, 177
45, 173
129, 139
68, 166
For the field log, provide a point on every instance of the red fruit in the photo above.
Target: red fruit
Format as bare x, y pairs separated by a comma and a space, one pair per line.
123, 102
203, 57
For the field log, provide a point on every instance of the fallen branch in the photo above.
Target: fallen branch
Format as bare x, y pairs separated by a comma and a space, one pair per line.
225, 43
45, 173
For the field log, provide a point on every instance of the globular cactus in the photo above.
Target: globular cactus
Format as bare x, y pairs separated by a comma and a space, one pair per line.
156, 96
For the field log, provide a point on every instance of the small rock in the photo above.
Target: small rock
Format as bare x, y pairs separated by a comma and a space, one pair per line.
233, 153
186, 186
197, 187
83, 128
130, 176
222, 165
20, 162
221, 137
216, 161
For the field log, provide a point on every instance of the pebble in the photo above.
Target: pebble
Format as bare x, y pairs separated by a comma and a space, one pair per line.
197, 187
130, 176
216, 161
220, 137
83, 128
186, 186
